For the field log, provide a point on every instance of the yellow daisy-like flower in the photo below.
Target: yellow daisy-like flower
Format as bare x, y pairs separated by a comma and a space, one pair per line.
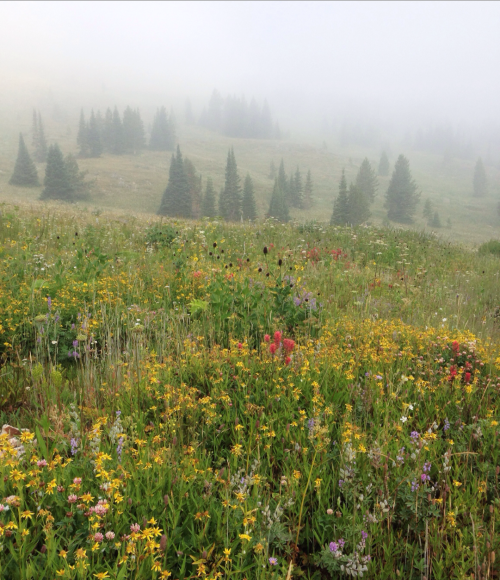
156, 567
245, 537
101, 575
165, 574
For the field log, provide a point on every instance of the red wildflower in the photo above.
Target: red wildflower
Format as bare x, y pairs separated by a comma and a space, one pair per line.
467, 377
288, 360
277, 338
267, 338
288, 345
240, 345
455, 346
272, 348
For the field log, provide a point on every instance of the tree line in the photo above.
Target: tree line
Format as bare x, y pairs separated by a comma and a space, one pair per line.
352, 204
183, 196
234, 117
120, 135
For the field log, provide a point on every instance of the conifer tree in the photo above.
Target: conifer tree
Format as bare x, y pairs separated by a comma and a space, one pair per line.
359, 208
162, 132
107, 131
248, 206
34, 141
176, 201
435, 222
278, 207
308, 189
93, 137
117, 146
283, 181
194, 188
383, 166
39, 141
366, 180
82, 139
133, 131
25, 174
480, 181
341, 214
230, 199
428, 209
57, 183
402, 194
208, 205
76, 178
272, 171
298, 190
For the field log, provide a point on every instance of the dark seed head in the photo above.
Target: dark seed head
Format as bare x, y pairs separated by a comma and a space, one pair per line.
265, 249
215, 244
280, 262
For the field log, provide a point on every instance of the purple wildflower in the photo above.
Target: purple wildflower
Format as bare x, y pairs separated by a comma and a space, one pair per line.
119, 449
334, 547
273, 561
74, 446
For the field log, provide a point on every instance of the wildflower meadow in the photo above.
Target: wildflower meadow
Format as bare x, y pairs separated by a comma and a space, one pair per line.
202, 400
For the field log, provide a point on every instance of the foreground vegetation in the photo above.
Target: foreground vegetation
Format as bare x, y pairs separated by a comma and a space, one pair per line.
265, 401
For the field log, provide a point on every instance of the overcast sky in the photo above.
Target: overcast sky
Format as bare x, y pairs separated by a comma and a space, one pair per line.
438, 57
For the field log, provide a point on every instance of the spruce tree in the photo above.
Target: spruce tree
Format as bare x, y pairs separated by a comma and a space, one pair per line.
366, 180
25, 174
117, 145
480, 181
82, 139
34, 141
93, 137
383, 166
76, 178
435, 222
230, 199
107, 131
308, 189
39, 141
278, 207
248, 206
162, 132
427, 213
359, 206
402, 194
133, 131
57, 182
194, 188
341, 215
298, 190
208, 205
176, 201
283, 181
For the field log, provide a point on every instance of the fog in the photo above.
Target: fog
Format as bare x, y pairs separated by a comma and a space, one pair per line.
395, 65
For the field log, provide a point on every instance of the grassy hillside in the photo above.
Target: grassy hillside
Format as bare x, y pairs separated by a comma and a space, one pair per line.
136, 183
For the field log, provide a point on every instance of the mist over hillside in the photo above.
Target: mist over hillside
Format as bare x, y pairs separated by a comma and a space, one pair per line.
321, 86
